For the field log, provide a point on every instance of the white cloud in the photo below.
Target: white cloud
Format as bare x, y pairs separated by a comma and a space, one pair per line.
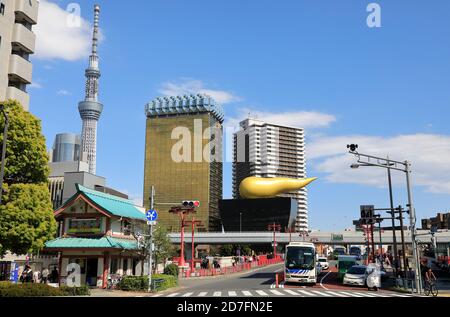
188, 86
298, 119
35, 85
56, 38
429, 155
63, 92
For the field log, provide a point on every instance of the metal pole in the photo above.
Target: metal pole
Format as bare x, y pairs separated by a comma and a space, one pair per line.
373, 243
402, 233
381, 243
391, 199
150, 249
274, 243
412, 220
5, 139
193, 249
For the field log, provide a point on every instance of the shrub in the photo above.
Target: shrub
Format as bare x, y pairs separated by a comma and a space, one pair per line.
140, 283
171, 269
75, 291
8, 289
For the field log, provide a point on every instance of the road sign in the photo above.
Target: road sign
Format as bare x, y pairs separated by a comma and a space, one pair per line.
151, 215
337, 237
151, 223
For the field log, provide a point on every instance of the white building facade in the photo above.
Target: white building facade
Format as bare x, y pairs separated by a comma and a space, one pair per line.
267, 150
17, 43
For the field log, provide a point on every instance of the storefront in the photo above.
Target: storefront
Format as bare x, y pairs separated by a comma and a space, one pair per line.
96, 238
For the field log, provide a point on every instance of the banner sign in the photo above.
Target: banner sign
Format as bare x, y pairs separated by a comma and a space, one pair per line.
85, 226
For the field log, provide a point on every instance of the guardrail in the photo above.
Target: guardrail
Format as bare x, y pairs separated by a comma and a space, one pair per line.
406, 284
229, 269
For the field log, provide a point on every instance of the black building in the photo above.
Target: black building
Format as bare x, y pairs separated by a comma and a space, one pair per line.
256, 214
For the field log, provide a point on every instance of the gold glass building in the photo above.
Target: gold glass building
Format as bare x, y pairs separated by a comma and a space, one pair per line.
183, 158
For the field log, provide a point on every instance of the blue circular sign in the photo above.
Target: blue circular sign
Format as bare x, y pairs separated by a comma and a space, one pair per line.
151, 215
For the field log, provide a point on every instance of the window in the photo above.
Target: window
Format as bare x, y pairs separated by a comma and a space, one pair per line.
2, 8
125, 266
114, 264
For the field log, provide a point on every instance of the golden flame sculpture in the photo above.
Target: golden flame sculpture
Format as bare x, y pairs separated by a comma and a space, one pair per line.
259, 187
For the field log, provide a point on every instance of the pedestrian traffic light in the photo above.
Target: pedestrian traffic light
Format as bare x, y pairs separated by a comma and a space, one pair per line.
191, 203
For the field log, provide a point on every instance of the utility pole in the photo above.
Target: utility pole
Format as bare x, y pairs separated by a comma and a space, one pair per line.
391, 200
412, 221
402, 234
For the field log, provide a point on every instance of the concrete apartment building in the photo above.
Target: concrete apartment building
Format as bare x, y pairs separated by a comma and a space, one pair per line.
194, 179
267, 150
17, 42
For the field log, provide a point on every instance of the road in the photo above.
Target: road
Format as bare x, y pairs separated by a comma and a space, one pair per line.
260, 283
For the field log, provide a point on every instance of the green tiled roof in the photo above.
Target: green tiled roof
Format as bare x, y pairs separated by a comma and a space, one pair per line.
115, 205
103, 242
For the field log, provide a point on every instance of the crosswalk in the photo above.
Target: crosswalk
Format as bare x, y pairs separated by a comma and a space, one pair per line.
283, 292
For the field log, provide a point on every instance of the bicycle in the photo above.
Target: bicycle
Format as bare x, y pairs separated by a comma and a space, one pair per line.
113, 281
430, 288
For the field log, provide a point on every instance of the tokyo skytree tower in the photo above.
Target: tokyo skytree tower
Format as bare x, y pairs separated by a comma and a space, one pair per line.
90, 109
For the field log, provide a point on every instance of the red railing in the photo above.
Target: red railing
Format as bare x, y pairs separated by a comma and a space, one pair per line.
229, 269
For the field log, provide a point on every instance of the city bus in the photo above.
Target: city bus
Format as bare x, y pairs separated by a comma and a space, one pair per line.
344, 263
300, 263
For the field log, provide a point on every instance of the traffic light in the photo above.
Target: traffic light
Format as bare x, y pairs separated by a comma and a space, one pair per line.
191, 203
367, 214
352, 147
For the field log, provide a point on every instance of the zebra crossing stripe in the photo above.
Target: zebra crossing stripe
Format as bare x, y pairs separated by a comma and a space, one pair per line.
217, 294
172, 295
262, 293
336, 294
351, 294
306, 293
322, 294
247, 293
366, 294
232, 293
187, 294
277, 292
291, 292
400, 295
202, 294
157, 295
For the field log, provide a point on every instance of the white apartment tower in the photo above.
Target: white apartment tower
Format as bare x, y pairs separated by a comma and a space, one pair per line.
267, 150
90, 109
17, 42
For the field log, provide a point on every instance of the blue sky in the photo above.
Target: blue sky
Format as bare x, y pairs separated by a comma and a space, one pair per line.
314, 64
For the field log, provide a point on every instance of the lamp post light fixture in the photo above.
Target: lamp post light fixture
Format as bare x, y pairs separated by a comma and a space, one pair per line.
370, 160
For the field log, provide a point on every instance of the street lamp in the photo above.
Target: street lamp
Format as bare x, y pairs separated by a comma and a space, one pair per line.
5, 139
403, 167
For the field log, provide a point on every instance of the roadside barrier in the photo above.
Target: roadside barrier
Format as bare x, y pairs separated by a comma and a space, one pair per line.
246, 266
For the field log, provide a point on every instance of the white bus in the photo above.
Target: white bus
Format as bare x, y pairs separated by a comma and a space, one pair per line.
300, 263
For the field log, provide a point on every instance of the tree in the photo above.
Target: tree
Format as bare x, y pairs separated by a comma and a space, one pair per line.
26, 219
26, 153
26, 214
163, 246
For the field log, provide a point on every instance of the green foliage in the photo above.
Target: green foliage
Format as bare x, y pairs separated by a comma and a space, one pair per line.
140, 283
26, 214
171, 269
163, 247
26, 152
231, 250
8, 289
26, 218
75, 291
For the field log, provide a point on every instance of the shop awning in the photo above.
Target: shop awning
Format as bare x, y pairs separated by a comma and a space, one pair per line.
92, 243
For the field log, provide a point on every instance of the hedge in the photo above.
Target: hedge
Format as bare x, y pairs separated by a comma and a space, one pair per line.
140, 283
171, 269
8, 289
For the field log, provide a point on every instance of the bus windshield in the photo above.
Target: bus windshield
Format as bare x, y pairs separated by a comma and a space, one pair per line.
300, 258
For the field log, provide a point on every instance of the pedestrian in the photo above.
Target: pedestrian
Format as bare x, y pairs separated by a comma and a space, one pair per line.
54, 275
27, 275
45, 275
36, 277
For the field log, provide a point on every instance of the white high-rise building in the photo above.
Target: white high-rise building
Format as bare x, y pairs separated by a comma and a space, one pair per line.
267, 150
17, 42
90, 109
